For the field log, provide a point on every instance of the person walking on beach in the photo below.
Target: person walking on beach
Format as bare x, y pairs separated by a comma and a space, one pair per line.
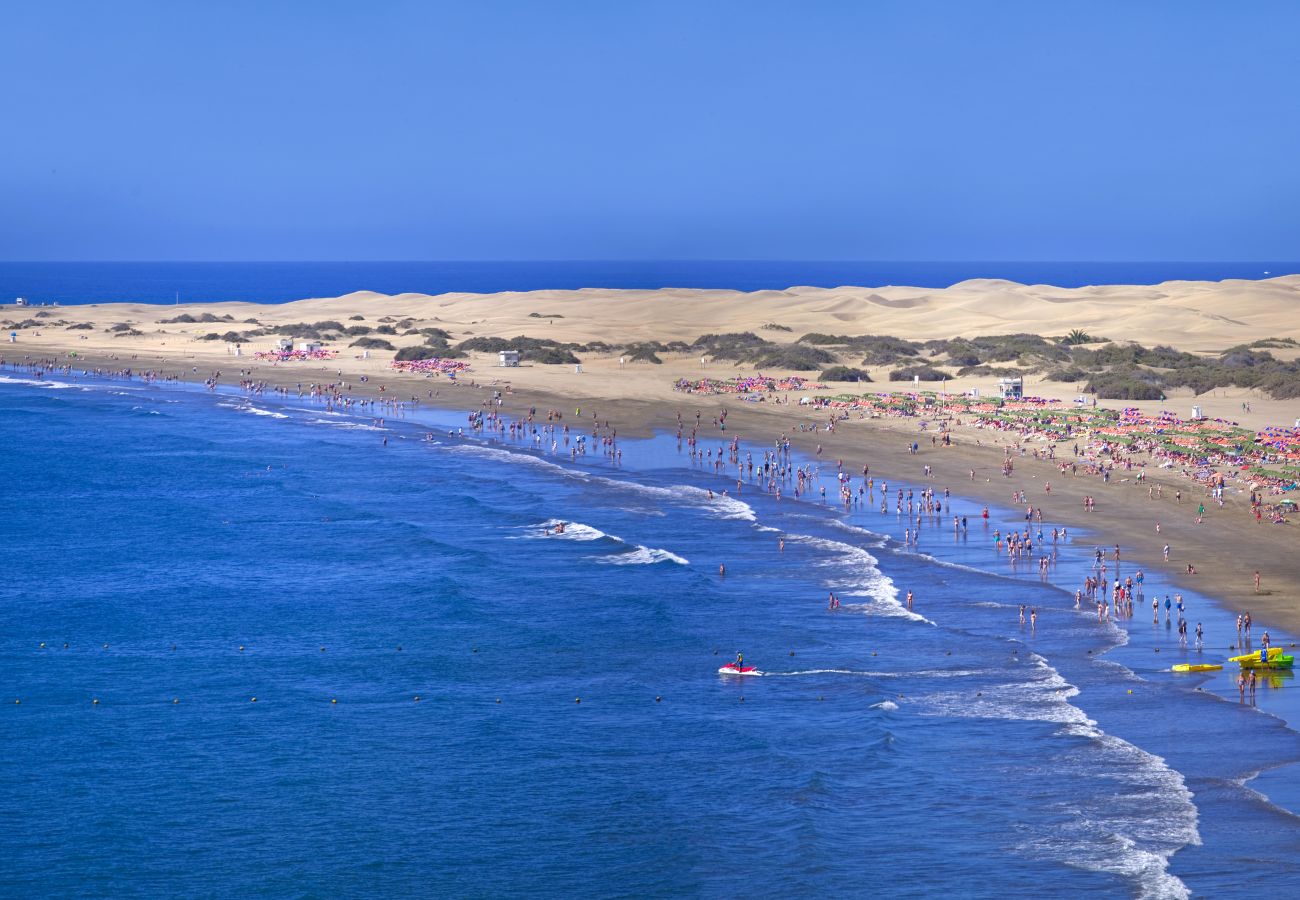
1257, 581
1200, 636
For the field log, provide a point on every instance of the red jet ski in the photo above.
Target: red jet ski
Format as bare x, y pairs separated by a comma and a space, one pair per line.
733, 669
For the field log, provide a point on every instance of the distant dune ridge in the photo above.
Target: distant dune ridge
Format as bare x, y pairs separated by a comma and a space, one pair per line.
1191, 315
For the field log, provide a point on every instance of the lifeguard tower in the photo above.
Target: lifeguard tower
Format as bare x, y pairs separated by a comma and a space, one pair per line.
508, 359
1011, 388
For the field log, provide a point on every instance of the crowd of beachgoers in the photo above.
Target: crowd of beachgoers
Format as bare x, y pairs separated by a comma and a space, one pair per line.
750, 387
294, 355
1208, 451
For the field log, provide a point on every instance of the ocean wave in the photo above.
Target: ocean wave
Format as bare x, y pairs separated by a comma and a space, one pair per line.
644, 556
1132, 827
631, 554
350, 426
513, 456
886, 705
878, 540
719, 505
258, 411
573, 531
862, 577
34, 382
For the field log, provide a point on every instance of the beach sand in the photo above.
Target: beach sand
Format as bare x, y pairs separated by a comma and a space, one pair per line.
1226, 548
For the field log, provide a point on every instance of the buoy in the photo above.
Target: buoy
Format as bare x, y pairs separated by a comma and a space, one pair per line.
950, 653
498, 699
42, 645
332, 700
475, 650
1130, 690
106, 646
577, 699
18, 703
791, 652
742, 699
1157, 649
254, 700
65, 646
241, 648
417, 698
322, 649
94, 702
873, 652
820, 697
658, 698
979, 693
175, 700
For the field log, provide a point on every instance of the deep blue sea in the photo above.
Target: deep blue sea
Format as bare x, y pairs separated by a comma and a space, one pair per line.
174, 553
277, 282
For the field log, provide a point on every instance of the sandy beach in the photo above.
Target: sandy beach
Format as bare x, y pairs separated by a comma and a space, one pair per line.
1226, 548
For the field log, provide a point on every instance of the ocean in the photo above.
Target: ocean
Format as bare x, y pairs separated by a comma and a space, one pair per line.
452, 702
278, 282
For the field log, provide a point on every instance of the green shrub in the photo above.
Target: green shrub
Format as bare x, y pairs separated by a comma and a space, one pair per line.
844, 373
925, 373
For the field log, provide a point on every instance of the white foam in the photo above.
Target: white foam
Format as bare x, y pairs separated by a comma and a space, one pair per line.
886, 705
258, 411
719, 505
33, 382
496, 453
644, 556
573, 531
878, 540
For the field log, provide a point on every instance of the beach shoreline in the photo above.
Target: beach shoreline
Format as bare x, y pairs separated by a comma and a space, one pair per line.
1225, 549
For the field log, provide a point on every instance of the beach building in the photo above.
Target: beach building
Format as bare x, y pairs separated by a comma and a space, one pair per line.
1011, 388
308, 346
509, 359
284, 345
21, 301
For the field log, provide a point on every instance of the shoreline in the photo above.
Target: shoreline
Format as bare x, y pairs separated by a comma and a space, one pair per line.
1226, 549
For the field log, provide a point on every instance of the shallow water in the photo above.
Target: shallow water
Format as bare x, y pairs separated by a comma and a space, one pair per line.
156, 530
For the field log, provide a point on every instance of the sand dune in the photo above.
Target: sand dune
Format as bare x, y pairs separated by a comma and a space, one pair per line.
1190, 315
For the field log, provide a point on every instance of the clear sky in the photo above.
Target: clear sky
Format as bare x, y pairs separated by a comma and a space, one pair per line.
632, 129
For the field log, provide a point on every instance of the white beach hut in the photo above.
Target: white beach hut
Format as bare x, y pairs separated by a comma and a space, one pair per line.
508, 359
308, 346
1011, 388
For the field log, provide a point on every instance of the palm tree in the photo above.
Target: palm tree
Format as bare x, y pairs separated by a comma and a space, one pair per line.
1077, 336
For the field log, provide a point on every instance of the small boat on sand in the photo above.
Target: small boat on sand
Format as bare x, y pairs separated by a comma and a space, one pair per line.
1197, 667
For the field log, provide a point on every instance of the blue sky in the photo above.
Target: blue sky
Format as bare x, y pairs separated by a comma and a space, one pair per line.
646, 130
